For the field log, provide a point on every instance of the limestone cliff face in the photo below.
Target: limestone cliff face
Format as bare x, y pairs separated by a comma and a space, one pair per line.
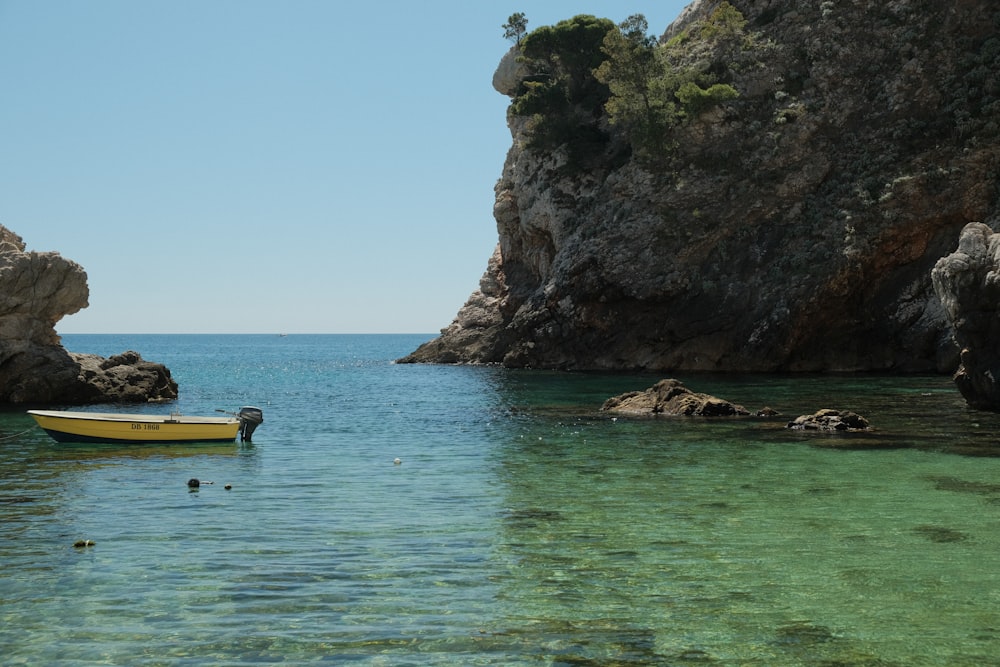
36, 291
793, 229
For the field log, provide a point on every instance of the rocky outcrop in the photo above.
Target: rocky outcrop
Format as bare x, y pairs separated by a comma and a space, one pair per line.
791, 229
670, 397
830, 420
36, 291
968, 283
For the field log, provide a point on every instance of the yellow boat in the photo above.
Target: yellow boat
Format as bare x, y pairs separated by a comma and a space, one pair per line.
148, 429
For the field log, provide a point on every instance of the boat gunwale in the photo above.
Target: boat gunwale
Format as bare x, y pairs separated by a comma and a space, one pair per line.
134, 417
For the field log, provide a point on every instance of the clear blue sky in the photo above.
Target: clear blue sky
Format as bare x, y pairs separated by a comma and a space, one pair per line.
247, 166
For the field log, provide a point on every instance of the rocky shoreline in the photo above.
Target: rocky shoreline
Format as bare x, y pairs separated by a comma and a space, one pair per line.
793, 228
39, 289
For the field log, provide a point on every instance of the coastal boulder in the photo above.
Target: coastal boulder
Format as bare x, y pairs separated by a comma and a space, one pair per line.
670, 397
968, 283
36, 291
830, 420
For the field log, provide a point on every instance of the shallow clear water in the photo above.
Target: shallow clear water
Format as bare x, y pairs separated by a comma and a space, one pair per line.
522, 527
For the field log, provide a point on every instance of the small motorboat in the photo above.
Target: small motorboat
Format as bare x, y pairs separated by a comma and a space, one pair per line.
111, 427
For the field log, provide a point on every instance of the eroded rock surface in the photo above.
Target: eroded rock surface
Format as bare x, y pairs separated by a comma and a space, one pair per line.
968, 284
830, 420
670, 397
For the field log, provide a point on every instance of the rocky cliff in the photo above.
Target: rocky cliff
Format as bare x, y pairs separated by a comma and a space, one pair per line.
36, 291
793, 228
968, 284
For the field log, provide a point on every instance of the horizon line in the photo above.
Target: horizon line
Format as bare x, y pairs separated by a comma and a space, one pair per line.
247, 333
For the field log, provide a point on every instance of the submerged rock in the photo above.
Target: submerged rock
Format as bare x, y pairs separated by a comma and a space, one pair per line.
830, 420
940, 534
670, 397
36, 291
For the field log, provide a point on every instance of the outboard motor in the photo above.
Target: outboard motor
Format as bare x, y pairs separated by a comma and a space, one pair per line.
250, 419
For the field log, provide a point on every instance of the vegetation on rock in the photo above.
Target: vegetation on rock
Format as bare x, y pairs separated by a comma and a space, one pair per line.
561, 95
586, 73
655, 86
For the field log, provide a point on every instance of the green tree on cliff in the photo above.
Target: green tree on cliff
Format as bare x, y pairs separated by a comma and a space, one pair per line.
650, 91
561, 95
515, 27
641, 84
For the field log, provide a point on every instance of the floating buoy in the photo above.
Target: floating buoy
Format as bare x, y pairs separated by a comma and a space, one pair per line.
397, 461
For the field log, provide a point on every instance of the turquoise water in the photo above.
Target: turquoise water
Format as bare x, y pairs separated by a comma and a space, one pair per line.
522, 527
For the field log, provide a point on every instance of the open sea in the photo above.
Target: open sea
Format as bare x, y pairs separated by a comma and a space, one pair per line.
521, 526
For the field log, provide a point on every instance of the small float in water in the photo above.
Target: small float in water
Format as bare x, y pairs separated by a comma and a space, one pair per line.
95, 427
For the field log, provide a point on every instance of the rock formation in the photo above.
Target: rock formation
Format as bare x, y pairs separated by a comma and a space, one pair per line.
793, 228
36, 291
670, 397
968, 284
830, 420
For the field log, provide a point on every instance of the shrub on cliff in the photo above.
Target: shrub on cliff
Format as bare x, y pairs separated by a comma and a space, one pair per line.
652, 91
695, 99
585, 70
